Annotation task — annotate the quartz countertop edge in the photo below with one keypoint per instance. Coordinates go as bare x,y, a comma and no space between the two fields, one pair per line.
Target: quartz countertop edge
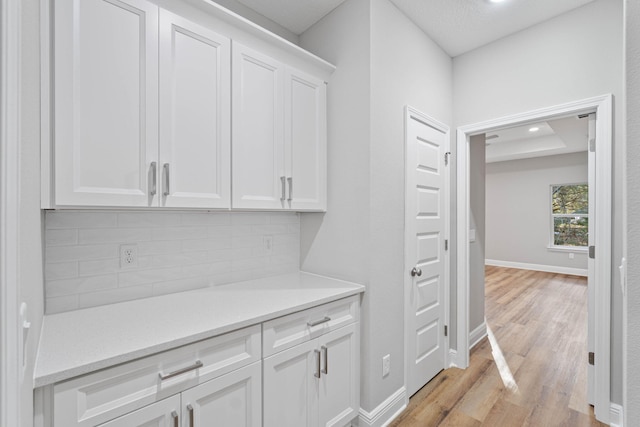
78,342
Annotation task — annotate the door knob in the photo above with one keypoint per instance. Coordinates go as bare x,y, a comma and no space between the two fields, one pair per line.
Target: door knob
416,272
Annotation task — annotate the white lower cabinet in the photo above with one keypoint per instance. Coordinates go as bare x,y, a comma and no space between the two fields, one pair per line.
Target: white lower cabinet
233,400
165,413
315,383
297,370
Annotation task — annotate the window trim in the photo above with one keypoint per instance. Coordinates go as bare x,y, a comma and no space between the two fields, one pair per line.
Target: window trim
563,248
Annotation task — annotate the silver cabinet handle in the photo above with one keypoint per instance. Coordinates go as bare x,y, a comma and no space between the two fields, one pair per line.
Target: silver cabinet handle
193,367
154,178
416,272
175,418
290,179
190,409
319,322
317,373
283,182
165,172
325,354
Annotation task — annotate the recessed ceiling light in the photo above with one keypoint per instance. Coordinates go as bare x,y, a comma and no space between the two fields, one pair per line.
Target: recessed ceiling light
496,1
534,129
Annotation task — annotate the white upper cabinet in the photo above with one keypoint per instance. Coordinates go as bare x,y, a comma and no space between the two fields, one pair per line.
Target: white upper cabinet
306,141
279,135
151,107
106,102
195,134
258,142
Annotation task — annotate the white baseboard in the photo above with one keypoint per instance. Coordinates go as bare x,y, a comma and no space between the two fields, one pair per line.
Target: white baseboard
453,358
477,334
538,267
616,415
386,412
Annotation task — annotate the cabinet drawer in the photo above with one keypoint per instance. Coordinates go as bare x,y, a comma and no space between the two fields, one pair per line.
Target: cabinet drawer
285,332
103,395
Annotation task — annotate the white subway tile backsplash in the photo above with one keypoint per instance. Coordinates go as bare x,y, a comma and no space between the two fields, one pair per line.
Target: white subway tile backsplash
61,270
113,235
80,285
65,219
177,251
61,237
80,252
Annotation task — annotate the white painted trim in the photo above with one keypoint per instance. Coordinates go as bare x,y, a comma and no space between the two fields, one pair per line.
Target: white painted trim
478,334
538,267
616,418
408,113
453,358
602,106
10,366
386,412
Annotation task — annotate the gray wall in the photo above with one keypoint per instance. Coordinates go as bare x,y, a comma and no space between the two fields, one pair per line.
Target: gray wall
30,232
574,56
632,374
477,166
518,208
384,62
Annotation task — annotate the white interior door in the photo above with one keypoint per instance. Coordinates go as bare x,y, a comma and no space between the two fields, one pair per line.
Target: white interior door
591,262
425,251
195,115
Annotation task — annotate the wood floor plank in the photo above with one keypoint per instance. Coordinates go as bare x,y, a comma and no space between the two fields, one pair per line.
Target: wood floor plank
539,321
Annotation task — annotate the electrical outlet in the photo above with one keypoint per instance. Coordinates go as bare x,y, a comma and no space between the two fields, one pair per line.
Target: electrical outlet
571,255
128,256
267,243
386,365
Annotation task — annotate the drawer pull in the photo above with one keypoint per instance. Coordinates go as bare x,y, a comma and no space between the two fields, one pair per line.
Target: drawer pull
196,365
319,322
190,409
317,373
325,354
174,417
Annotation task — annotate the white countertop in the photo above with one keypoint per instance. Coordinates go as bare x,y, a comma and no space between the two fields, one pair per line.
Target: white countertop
82,341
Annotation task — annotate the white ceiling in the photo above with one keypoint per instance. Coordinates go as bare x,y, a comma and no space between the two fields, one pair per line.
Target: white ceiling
458,26
559,136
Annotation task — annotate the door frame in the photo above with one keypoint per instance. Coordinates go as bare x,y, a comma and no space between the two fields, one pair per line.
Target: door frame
410,112
10,366
603,107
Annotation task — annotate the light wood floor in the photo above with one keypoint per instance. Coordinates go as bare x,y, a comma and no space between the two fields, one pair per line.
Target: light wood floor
539,321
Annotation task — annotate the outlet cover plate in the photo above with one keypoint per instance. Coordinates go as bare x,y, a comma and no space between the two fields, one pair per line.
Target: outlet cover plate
128,256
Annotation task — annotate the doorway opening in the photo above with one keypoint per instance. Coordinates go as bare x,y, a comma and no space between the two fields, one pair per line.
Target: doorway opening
599,271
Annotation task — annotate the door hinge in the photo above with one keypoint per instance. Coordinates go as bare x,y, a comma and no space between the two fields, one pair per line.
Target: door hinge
446,331
446,245
592,145
446,158
592,358
592,252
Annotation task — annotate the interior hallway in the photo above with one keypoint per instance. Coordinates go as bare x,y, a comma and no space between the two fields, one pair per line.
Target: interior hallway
539,321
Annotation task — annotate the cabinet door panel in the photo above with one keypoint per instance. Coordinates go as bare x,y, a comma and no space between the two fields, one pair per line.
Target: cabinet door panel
306,141
232,400
105,100
159,414
290,388
339,399
195,122
257,130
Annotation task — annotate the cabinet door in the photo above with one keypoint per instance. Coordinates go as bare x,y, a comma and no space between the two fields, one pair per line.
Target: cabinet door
233,400
106,102
290,387
339,399
160,414
195,115
305,141
258,145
